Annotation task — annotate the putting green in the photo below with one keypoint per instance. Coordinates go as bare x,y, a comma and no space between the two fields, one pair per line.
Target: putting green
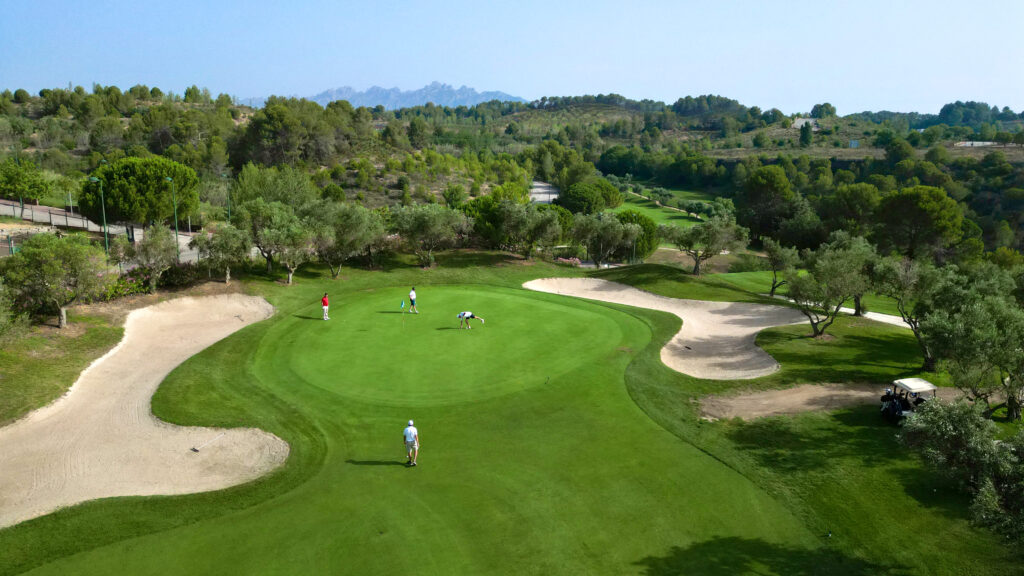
374,352
535,459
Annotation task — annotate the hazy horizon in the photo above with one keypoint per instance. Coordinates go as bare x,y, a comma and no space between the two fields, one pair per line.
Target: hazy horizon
872,55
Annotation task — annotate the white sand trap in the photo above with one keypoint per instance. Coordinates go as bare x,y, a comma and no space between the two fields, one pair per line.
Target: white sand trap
101,440
717,338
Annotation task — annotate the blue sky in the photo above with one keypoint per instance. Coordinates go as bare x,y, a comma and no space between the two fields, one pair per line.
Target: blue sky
862,55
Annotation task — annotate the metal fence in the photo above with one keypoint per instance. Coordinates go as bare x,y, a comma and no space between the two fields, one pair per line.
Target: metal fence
55,217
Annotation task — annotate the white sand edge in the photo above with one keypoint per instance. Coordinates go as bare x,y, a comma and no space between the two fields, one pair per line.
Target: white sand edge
101,440
717,339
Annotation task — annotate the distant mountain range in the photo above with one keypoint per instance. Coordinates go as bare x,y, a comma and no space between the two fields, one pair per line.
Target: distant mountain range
393,98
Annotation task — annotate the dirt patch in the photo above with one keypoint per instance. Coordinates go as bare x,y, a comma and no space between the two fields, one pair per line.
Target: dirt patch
716,339
101,440
803,398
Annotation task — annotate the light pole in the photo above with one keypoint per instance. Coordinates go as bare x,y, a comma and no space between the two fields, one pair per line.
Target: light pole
174,198
103,209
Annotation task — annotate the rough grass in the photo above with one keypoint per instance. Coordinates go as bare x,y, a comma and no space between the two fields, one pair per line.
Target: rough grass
41,364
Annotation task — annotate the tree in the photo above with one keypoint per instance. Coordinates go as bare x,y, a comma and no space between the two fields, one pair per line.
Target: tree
959,442
419,132
137,190
20,179
222,247
346,231
295,247
428,227
582,198
913,285
833,277
602,234
954,438
823,110
156,252
270,225
806,134
852,208
285,184
782,261
707,239
916,221
51,273
454,195
611,195
860,254
760,140
765,201
647,241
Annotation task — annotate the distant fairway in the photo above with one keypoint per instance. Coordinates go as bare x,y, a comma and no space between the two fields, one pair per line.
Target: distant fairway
660,214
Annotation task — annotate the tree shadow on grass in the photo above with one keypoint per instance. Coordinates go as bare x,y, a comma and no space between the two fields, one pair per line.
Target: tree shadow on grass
732,556
472,259
807,444
375,462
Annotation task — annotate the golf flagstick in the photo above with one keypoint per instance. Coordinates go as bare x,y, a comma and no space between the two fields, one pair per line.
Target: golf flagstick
207,443
402,307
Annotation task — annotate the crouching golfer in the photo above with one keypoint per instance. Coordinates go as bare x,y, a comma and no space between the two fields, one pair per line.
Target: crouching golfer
412,443
465,317
326,304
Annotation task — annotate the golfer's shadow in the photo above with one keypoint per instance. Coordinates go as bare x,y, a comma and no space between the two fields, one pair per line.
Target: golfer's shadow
447,328
375,462
301,317
390,312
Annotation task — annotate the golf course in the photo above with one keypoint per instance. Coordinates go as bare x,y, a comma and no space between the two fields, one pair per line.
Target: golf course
553,441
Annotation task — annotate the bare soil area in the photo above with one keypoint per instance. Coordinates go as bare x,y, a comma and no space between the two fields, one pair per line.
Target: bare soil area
803,398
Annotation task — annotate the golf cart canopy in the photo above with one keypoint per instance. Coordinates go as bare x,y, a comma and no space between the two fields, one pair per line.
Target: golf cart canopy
917,385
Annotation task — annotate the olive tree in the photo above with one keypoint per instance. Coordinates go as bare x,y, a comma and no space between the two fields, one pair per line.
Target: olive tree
833,277
427,228
345,231
706,240
50,273
781,260
223,247
156,252
270,226
601,234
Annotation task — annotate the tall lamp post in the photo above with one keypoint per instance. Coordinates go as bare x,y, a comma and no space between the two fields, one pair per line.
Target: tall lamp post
103,208
174,198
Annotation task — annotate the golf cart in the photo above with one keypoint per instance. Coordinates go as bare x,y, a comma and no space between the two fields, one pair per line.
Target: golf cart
905,396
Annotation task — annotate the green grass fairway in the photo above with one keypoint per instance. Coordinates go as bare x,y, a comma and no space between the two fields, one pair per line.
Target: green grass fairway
761,283
660,214
554,441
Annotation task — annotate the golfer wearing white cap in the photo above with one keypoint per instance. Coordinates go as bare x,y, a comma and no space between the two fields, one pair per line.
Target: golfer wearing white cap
412,443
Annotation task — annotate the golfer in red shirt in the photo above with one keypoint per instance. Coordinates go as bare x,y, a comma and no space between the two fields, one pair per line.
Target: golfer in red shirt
326,304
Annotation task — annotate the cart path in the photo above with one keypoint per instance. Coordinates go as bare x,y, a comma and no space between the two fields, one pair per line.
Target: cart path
717,338
101,440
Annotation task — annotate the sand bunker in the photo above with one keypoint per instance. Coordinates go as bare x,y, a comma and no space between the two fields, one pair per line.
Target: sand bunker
717,338
101,440
804,398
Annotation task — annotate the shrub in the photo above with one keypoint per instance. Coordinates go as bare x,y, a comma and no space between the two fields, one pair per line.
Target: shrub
179,276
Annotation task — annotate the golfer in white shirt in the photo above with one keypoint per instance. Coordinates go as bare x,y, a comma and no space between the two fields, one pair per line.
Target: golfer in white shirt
411,436
465,317
412,301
